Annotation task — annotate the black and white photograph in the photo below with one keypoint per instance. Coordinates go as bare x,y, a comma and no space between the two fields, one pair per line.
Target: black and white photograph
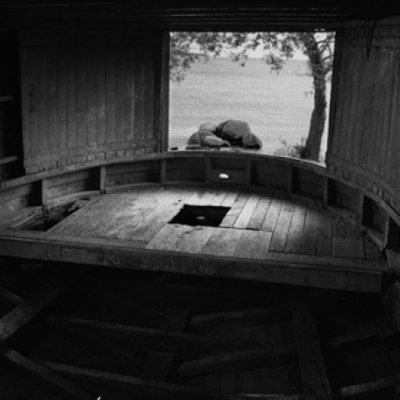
199,200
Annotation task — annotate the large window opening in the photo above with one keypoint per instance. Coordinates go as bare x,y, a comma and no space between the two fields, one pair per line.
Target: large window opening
275,87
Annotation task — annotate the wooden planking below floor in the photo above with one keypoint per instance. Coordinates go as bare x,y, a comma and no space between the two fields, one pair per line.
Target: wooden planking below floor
257,227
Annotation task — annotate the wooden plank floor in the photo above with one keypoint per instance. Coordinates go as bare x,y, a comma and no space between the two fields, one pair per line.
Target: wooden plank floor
262,237
256,224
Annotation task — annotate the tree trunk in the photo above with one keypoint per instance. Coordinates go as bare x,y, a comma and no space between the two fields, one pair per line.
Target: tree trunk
318,118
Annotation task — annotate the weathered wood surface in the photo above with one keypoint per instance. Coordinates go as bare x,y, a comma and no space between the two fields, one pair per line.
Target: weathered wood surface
105,81
154,389
312,366
285,227
364,140
27,310
45,375
158,364
250,359
290,236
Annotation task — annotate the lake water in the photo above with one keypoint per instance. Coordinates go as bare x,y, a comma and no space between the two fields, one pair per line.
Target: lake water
276,106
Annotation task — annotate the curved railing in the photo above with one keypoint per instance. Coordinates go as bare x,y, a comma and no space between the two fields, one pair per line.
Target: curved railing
300,179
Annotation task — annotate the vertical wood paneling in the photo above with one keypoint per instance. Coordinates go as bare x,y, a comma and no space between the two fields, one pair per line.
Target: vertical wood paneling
61,98
81,93
51,100
100,94
110,95
92,67
149,92
71,83
89,95
140,99
130,94
364,144
119,94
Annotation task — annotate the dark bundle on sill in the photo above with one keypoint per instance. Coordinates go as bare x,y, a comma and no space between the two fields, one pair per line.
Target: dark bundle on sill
228,133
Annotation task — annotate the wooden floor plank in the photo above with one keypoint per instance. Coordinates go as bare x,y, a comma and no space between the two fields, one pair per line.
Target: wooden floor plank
312,367
229,199
165,215
205,197
168,236
245,215
281,231
309,239
296,230
253,245
233,213
193,239
219,196
259,213
222,242
142,226
272,215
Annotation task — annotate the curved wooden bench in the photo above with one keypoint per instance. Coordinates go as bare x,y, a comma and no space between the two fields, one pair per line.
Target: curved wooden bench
301,181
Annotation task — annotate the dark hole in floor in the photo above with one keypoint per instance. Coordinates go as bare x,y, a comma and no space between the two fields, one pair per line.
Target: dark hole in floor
51,216
200,215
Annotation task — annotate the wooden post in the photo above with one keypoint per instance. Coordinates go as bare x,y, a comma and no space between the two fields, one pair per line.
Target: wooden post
361,202
208,170
43,191
249,170
103,174
163,172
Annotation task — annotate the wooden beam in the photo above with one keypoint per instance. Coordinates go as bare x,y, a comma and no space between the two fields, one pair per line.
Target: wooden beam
365,335
158,364
46,375
11,297
184,344
117,353
29,309
44,190
238,317
102,179
311,362
370,386
295,270
239,360
153,389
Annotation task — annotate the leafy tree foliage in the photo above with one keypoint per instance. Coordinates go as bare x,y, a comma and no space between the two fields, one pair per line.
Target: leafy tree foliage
188,47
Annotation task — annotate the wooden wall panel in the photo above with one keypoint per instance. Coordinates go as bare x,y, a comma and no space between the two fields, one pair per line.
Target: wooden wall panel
89,95
364,145
10,114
